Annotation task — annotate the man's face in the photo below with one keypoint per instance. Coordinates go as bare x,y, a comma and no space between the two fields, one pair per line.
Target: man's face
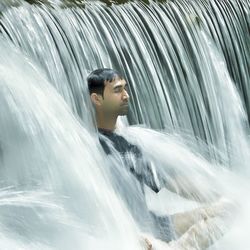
115,98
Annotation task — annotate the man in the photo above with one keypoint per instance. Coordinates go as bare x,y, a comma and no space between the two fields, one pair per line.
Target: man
109,94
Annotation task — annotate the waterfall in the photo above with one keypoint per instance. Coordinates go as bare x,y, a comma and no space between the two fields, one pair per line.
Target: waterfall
161,50
187,66
52,190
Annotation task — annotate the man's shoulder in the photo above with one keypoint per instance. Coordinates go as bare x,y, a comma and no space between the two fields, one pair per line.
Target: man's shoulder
119,142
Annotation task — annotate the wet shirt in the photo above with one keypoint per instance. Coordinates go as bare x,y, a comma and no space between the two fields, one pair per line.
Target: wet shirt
144,174
132,157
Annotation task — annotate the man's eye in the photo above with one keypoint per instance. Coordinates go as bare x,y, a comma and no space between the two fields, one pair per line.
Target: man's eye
118,90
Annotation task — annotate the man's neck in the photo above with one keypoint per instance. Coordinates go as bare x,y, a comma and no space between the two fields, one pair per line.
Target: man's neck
106,123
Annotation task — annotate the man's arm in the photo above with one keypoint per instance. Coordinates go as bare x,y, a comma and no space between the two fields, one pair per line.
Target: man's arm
177,183
188,189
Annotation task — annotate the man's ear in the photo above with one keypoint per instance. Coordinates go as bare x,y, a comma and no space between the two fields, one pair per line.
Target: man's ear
96,99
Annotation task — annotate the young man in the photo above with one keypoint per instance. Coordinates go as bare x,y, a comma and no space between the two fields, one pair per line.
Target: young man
109,95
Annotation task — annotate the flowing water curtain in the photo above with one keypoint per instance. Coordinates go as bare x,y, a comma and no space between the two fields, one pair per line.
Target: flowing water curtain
194,89
228,23
229,30
165,56
156,46
53,190
215,91
42,45
39,34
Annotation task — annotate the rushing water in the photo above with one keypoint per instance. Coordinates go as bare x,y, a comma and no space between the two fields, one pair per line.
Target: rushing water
52,191
187,65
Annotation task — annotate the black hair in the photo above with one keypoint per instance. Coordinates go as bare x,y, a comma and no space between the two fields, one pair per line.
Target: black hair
97,78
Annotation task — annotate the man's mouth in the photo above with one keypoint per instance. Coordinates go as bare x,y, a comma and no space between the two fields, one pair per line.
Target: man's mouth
125,105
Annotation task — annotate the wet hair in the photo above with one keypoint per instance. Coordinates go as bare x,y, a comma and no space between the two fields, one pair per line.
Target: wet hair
97,78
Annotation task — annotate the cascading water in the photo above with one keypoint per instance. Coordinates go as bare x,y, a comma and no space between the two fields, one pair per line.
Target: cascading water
176,57
52,192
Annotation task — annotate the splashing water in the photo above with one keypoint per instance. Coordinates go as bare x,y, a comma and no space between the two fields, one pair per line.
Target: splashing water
51,165
54,183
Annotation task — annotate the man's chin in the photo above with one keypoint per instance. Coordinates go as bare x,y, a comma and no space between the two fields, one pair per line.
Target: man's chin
123,112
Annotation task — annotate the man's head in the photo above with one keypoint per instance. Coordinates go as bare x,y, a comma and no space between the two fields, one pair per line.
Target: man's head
108,92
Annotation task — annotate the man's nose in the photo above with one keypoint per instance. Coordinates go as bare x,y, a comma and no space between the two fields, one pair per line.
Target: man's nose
125,95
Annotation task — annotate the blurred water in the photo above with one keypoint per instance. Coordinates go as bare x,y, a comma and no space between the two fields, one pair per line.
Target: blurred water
53,191
160,48
173,155
189,78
